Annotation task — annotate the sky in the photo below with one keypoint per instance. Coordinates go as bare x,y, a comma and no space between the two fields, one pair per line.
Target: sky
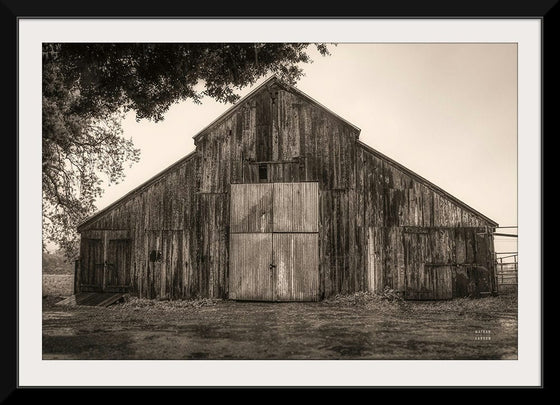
446,111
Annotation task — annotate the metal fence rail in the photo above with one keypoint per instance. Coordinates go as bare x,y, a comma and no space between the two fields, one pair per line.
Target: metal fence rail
506,270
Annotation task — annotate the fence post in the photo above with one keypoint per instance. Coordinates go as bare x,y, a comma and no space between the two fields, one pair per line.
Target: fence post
502,268
497,273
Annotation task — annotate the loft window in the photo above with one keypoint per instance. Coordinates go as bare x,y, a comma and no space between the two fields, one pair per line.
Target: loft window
263,172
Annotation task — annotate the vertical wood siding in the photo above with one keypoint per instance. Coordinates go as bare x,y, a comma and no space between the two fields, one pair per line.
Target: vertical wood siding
296,259
251,277
366,207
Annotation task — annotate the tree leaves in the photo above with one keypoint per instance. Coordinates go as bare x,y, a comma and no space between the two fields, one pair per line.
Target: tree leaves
87,87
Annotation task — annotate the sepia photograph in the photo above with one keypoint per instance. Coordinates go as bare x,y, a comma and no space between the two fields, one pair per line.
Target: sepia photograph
291,226
332,203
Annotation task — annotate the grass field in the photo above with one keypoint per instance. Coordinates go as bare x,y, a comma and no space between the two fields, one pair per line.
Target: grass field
58,285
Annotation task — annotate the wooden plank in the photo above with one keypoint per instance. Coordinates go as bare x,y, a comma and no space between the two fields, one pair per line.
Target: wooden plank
97,263
122,261
283,259
259,207
100,233
92,261
251,208
418,277
186,266
263,127
371,261
250,276
398,248
238,208
165,264
104,269
154,263
305,207
111,271
110,299
175,279
296,276
282,207
443,289
470,245
293,129
275,130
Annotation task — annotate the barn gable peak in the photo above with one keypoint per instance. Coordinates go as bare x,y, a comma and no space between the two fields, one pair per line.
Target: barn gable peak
272,85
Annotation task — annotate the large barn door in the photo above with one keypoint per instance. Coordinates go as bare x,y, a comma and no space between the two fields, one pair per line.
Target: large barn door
249,266
250,276
424,281
274,242
296,243
296,258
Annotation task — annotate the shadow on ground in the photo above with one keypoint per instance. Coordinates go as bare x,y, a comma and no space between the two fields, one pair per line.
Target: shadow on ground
337,329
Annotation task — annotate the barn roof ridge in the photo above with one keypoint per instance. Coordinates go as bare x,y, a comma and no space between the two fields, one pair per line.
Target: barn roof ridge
266,83
426,182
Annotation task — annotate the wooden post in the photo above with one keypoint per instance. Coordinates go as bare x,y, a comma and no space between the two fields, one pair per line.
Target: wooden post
497,274
105,244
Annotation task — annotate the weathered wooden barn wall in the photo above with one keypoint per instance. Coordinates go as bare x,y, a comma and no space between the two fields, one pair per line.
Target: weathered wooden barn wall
161,216
379,224
412,230
280,136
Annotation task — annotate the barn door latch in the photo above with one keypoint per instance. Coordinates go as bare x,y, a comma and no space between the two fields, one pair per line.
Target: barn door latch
271,266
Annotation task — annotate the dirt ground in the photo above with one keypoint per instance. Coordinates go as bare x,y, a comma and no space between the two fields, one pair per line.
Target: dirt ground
352,327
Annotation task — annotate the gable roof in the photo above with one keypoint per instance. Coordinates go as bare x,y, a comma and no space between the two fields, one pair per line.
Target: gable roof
233,108
269,82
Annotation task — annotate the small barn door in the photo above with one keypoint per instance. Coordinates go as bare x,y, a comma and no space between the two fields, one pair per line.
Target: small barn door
274,242
117,276
106,260
92,265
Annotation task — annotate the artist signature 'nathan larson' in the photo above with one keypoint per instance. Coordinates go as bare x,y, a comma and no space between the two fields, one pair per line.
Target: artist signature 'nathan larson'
482,334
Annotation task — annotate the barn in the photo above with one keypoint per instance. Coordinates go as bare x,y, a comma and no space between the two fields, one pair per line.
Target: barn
281,201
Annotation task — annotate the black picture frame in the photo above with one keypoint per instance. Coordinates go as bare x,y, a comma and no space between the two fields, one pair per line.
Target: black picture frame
12,10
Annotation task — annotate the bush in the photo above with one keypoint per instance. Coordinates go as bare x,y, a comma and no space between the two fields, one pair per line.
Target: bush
58,285
56,263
